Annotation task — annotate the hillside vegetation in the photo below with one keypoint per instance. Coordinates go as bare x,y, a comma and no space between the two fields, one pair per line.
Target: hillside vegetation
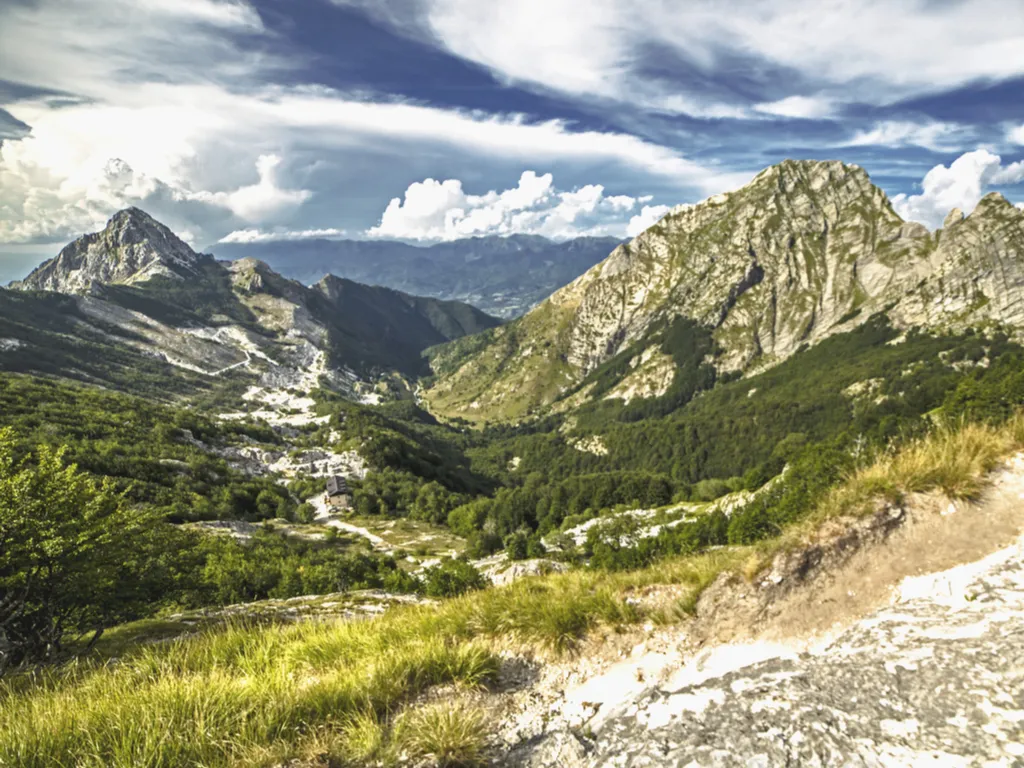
347,692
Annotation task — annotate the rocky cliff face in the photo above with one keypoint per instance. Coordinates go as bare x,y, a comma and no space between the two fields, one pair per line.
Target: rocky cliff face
975,274
806,250
132,248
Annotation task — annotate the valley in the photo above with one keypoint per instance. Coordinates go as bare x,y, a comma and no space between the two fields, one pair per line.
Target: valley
549,522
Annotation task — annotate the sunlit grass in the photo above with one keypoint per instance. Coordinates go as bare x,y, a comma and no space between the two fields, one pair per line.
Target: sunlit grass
347,692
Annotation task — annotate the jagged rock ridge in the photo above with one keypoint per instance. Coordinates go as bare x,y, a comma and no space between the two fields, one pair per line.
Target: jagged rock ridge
132,248
806,250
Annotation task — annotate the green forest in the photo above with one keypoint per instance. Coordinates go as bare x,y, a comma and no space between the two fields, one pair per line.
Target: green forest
98,488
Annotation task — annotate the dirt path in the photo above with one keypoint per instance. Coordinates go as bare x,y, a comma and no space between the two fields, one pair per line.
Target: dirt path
325,517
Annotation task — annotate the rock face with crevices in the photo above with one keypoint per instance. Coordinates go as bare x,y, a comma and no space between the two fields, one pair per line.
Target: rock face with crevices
936,679
805,250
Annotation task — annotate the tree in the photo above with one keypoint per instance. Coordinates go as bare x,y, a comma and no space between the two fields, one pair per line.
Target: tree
450,578
517,545
74,556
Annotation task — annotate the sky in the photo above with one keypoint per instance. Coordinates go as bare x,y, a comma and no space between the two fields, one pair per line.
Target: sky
425,120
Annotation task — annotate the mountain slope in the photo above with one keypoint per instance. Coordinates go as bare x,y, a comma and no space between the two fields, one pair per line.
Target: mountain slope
806,250
503,276
141,290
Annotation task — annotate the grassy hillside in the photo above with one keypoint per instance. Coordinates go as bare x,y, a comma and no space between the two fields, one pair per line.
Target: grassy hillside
343,693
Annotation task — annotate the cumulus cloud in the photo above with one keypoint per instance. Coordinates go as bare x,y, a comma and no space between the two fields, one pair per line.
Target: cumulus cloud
960,185
936,136
648,215
257,202
37,205
443,210
1016,135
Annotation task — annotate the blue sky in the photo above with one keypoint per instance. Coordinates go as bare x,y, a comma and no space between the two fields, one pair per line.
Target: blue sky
436,119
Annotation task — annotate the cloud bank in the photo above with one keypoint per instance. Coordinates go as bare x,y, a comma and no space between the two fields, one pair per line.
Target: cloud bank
442,210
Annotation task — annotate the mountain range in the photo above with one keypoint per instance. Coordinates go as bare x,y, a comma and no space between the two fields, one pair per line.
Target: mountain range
805,251
135,298
743,280
503,276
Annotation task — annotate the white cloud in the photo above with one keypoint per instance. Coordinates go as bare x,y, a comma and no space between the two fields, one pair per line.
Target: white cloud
442,210
648,216
257,202
275,235
1016,135
960,185
799,107
872,51
191,120
936,136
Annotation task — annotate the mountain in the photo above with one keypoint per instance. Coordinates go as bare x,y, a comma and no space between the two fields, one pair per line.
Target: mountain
133,248
504,276
134,296
806,250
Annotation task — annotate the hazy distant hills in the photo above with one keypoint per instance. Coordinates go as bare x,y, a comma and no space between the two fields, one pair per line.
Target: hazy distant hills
504,276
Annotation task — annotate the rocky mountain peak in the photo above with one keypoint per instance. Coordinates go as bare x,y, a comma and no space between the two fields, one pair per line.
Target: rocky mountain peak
955,216
994,204
132,248
806,250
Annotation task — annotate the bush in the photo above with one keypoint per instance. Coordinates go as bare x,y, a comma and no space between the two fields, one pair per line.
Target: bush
535,547
517,546
710,489
305,513
482,544
451,578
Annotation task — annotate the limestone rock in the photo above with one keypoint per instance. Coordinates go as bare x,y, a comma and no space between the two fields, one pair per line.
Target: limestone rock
805,250
132,248
953,217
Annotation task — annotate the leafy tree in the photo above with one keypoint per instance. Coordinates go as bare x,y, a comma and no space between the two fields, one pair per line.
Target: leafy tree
450,578
517,546
75,558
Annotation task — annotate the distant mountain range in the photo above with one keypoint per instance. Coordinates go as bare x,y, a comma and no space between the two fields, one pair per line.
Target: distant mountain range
135,301
504,276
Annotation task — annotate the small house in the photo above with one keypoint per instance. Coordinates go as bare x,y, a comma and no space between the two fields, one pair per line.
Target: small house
338,492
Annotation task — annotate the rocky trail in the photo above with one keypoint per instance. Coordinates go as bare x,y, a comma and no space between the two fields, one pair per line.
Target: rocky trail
899,642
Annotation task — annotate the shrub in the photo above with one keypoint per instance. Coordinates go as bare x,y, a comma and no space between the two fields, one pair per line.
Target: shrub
517,546
305,513
451,578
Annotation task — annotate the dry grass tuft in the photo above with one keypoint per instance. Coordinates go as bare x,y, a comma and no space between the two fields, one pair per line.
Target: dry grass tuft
449,734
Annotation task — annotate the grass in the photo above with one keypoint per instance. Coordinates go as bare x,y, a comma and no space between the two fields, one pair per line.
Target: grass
450,735
348,692
953,459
